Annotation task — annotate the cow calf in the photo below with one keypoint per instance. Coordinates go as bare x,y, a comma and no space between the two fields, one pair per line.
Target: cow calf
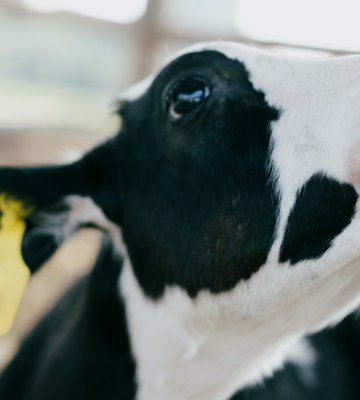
234,182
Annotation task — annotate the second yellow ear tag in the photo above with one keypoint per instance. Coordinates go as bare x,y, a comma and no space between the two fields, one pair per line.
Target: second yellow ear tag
14,274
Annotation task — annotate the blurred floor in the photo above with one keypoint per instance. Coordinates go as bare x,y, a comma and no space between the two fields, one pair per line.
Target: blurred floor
76,257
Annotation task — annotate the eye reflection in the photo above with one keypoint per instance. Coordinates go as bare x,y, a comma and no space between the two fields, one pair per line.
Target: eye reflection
187,96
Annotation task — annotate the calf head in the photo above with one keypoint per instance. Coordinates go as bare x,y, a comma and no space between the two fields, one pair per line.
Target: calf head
233,179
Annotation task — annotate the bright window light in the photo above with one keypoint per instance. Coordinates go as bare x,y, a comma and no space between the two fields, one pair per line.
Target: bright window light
121,11
331,24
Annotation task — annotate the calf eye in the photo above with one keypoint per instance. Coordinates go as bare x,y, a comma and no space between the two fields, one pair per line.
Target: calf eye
186,96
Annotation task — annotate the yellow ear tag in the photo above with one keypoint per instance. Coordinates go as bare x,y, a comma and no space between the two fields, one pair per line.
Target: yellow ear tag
14,274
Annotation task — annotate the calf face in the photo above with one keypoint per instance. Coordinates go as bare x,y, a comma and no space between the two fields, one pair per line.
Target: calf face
234,180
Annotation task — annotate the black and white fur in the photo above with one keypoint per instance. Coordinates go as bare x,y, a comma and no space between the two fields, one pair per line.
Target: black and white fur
239,232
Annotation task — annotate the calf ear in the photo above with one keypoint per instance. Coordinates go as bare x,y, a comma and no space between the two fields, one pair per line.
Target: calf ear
54,193
93,176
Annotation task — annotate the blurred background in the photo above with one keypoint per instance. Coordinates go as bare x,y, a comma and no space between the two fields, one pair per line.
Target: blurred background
62,62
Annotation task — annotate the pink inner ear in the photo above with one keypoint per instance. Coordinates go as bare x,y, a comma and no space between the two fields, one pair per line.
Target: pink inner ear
354,164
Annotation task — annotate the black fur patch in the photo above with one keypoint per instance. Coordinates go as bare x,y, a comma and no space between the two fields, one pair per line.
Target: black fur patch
323,209
201,210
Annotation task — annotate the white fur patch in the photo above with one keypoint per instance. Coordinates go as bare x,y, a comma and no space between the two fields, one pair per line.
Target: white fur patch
208,348
303,356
